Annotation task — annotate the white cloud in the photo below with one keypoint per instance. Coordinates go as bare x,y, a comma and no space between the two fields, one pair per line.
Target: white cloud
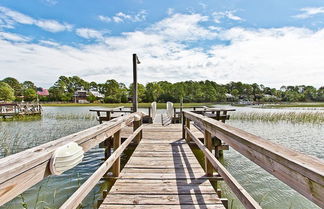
183,27
13,37
89,33
104,18
53,25
309,12
10,17
274,56
123,17
170,11
50,2
218,16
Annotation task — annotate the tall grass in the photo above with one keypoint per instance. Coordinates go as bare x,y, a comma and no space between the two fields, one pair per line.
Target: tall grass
70,116
294,117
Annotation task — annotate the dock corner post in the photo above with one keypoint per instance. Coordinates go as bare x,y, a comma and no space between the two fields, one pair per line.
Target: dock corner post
116,144
208,143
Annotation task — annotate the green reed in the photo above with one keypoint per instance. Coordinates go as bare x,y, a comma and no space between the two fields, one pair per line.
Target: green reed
295,117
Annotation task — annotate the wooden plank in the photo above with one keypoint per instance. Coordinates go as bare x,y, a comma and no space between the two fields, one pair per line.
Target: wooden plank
303,173
236,188
76,198
161,189
179,199
167,182
147,206
161,154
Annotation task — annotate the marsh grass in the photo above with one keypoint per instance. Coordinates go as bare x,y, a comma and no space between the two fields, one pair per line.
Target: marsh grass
294,117
70,116
22,118
305,104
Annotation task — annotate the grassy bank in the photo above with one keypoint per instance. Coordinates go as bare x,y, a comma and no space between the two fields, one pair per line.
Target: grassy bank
112,105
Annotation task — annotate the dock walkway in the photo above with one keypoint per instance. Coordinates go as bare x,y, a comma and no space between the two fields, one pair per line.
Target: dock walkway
162,173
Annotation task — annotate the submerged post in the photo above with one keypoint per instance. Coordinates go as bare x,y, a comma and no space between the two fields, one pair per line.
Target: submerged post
135,86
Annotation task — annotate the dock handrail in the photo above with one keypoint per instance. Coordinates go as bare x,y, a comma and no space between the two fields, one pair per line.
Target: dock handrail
113,161
20,171
303,173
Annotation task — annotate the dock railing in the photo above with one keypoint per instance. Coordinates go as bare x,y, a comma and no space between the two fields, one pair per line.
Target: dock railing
303,173
20,171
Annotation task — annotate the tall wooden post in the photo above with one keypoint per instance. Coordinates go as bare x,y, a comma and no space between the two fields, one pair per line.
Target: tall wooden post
135,103
116,144
183,126
208,144
188,126
136,125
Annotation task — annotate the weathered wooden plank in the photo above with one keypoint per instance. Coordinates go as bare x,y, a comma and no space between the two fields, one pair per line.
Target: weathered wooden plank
179,175
147,206
168,182
161,189
179,199
303,173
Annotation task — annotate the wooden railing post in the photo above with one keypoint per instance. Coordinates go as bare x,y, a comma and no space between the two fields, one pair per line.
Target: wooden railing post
218,151
183,126
116,144
136,125
208,144
188,126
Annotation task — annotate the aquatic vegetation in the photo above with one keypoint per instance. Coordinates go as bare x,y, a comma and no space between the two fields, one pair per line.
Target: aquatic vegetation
70,116
294,117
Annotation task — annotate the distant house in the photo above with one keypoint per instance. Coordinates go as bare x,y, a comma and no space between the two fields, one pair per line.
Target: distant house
80,96
229,97
42,92
97,94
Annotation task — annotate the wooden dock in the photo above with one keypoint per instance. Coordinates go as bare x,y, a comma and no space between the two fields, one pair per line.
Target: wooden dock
23,109
162,173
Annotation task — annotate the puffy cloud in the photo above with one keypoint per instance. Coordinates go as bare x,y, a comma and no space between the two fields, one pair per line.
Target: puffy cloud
309,12
9,17
89,33
13,37
218,16
123,17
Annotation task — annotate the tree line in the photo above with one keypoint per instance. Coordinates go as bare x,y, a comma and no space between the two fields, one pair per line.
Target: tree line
190,91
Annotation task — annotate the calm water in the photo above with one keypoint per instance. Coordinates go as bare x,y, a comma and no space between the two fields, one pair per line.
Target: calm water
60,121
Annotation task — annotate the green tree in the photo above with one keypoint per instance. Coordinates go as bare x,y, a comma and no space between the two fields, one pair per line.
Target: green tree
28,85
6,92
140,92
91,98
29,94
14,84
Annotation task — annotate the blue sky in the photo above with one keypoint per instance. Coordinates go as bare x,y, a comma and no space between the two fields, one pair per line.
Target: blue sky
271,42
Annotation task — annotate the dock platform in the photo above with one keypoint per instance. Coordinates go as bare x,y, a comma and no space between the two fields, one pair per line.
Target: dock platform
162,173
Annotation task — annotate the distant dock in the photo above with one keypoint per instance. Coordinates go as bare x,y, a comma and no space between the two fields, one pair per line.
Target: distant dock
15,109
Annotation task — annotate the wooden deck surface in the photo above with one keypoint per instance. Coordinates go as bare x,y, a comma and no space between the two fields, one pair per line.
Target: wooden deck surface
162,173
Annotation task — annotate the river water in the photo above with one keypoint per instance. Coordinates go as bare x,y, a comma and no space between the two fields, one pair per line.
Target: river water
57,122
